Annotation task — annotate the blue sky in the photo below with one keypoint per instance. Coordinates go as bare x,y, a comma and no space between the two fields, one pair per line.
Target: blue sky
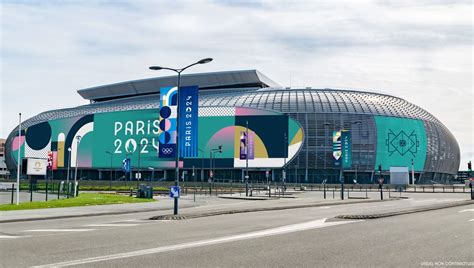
418,50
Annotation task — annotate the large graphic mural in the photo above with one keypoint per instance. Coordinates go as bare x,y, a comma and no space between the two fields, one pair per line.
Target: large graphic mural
111,137
399,140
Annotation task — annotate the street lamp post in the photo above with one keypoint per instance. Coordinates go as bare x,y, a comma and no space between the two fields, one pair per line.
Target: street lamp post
284,163
202,165
178,71
111,161
68,172
247,159
78,138
18,162
341,170
211,167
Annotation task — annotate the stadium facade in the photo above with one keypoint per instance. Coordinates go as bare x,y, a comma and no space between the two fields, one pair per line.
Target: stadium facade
293,127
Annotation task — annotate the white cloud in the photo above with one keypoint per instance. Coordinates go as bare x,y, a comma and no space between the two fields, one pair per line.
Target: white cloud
421,51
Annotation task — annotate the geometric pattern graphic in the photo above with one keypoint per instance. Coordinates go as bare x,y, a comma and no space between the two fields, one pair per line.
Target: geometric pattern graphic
42,153
336,146
135,135
402,143
216,111
399,142
168,123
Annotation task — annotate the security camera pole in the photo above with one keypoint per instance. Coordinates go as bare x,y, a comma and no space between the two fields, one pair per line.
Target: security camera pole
178,71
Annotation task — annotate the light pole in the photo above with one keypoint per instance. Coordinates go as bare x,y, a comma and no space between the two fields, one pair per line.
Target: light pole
68,168
202,164
18,162
178,71
78,138
247,159
284,163
341,170
211,167
111,161
152,174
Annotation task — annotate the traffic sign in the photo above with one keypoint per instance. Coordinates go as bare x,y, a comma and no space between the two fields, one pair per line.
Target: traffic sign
174,192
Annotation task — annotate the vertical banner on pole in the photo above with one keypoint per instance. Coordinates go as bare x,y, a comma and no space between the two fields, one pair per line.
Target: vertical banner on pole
346,149
250,149
336,148
168,114
188,121
243,147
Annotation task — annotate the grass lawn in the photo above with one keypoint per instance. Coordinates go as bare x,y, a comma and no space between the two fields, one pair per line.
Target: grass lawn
84,199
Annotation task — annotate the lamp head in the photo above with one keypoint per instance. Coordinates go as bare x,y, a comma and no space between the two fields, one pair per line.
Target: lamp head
155,68
204,61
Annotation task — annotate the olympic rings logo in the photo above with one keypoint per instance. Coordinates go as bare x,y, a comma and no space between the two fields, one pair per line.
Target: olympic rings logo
167,150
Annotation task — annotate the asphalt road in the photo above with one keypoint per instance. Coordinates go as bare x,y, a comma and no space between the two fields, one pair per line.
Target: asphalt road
299,237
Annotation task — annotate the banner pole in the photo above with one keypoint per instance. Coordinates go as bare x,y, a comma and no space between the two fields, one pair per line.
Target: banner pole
18,163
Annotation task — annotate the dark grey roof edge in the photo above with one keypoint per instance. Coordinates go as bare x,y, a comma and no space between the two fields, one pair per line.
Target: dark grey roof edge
215,79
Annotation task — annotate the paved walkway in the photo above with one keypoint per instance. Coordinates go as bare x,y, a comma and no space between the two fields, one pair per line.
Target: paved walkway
206,204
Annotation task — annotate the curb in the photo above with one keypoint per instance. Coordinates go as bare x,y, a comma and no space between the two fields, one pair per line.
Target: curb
247,198
403,212
238,211
78,216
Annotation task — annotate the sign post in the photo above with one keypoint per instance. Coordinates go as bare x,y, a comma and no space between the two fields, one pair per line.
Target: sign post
381,180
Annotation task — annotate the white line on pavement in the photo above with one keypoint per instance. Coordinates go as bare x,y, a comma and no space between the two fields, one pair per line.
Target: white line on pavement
257,234
10,236
466,210
59,230
471,220
112,225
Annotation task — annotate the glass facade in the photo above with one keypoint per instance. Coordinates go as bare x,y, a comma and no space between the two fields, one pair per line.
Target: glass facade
320,112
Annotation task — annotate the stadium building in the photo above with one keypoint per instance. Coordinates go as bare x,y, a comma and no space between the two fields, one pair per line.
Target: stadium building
292,128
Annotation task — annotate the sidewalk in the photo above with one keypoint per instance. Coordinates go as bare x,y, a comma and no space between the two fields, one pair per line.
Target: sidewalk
162,204
208,206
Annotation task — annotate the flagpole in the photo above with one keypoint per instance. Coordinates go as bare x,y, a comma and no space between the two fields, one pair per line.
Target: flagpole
18,163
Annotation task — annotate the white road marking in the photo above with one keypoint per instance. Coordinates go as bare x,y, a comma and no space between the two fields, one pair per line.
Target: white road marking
10,236
466,210
112,225
257,234
471,220
325,207
59,230
135,220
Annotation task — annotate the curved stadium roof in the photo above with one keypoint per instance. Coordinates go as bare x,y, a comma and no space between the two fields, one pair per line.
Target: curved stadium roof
240,88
